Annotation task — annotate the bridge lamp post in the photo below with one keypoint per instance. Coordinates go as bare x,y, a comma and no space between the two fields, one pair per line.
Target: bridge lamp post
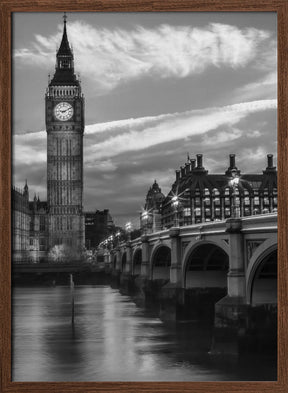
117,235
110,240
128,228
175,204
234,182
145,216
106,244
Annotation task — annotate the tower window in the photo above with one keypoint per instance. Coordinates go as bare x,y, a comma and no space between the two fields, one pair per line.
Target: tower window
64,63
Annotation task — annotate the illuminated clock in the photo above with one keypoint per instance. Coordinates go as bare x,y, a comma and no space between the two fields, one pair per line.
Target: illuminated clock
63,111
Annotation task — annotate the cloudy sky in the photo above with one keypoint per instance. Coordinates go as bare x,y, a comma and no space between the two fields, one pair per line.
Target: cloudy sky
157,86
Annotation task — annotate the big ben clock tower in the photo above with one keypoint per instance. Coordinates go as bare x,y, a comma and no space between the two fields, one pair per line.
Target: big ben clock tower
65,128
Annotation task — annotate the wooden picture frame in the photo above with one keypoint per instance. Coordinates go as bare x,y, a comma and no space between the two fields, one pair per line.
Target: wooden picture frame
7,8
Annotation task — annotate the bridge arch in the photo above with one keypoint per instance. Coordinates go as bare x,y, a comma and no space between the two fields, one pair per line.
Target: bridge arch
161,262
137,261
262,274
123,261
205,265
114,261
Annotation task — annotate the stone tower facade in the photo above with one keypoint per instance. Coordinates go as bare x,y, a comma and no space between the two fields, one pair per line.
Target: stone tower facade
65,129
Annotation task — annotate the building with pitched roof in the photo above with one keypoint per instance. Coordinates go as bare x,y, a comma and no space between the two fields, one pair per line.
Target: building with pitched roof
198,196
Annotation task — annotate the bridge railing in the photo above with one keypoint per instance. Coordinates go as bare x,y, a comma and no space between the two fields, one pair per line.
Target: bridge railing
265,220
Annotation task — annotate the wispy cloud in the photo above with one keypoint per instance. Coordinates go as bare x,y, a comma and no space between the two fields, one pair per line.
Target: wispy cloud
176,127
262,88
30,148
111,57
222,137
253,155
139,134
254,134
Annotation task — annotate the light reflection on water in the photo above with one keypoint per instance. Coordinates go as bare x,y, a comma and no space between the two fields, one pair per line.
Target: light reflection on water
112,340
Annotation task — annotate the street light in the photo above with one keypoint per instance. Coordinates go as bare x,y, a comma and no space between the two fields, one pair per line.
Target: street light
128,228
105,242
234,182
110,240
145,216
175,204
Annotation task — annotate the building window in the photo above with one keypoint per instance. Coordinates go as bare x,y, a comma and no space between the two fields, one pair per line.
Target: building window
31,242
42,223
247,201
42,244
187,212
227,212
256,201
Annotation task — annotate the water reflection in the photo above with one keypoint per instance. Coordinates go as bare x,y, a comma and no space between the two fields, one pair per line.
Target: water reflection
112,340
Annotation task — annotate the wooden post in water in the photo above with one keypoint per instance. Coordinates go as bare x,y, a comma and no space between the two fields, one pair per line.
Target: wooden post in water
72,298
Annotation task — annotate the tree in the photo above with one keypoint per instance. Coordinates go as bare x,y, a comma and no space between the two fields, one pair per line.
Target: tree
63,253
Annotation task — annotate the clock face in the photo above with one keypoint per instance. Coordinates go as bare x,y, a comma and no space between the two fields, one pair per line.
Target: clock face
63,111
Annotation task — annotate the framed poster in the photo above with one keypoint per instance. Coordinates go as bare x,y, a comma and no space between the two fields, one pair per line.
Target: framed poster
101,103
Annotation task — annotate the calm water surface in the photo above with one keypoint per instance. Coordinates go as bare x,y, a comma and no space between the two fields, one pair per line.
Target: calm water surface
113,340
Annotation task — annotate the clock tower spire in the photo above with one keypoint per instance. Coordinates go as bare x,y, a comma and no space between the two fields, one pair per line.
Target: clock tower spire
65,128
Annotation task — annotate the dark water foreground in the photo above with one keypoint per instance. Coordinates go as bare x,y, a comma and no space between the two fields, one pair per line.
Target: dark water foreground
114,340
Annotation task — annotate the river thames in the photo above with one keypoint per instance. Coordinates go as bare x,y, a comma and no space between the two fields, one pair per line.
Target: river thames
114,340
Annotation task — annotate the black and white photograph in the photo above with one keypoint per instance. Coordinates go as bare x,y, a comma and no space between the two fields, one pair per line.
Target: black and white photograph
144,196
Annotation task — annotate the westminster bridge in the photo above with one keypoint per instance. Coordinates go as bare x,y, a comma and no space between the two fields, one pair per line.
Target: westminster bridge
224,269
